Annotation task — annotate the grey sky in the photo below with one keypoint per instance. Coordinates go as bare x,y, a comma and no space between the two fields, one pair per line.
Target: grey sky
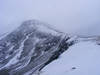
70,16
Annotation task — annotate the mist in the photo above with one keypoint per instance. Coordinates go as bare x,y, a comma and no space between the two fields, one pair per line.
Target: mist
78,17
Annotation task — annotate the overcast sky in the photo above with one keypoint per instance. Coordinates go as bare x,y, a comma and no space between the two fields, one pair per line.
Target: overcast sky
80,17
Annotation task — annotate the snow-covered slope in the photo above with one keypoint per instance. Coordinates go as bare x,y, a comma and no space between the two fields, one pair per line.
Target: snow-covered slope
30,47
36,48
80,59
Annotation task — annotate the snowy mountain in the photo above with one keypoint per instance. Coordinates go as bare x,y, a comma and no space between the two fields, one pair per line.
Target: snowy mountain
30,47
34,48
80,59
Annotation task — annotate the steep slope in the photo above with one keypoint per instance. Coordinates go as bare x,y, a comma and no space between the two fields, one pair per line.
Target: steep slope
80,59
34,48
30,47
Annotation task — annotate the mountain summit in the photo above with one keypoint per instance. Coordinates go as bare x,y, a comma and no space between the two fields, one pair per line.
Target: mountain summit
30,47
34,46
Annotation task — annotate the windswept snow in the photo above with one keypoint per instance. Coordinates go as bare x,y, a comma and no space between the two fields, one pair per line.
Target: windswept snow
80,59
43,28
3,35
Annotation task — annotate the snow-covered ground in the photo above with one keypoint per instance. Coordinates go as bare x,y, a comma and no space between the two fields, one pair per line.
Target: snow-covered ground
80,59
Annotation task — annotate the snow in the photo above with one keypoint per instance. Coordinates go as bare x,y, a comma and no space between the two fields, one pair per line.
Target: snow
80,59
44,29
75,38
47,29
3,35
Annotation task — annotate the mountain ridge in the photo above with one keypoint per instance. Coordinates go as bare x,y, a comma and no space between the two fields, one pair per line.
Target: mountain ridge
32,46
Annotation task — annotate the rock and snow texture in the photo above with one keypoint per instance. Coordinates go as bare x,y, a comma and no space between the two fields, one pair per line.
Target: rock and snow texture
30,47
80,59
33,47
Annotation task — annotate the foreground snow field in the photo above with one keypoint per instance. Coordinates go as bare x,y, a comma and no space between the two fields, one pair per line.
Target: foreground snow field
80,59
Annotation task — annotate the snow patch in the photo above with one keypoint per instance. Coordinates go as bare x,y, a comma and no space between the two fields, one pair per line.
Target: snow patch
80,59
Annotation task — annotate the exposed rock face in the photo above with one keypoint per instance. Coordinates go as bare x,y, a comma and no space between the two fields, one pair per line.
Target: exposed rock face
30,47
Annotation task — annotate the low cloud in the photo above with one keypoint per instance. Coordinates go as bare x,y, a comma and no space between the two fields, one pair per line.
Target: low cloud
81,17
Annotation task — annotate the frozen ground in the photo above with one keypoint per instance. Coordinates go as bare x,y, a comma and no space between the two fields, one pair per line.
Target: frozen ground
80,59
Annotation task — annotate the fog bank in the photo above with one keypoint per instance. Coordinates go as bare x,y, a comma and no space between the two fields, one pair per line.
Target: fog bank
81,17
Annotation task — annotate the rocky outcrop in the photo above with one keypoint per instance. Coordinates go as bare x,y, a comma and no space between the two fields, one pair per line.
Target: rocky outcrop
30,47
